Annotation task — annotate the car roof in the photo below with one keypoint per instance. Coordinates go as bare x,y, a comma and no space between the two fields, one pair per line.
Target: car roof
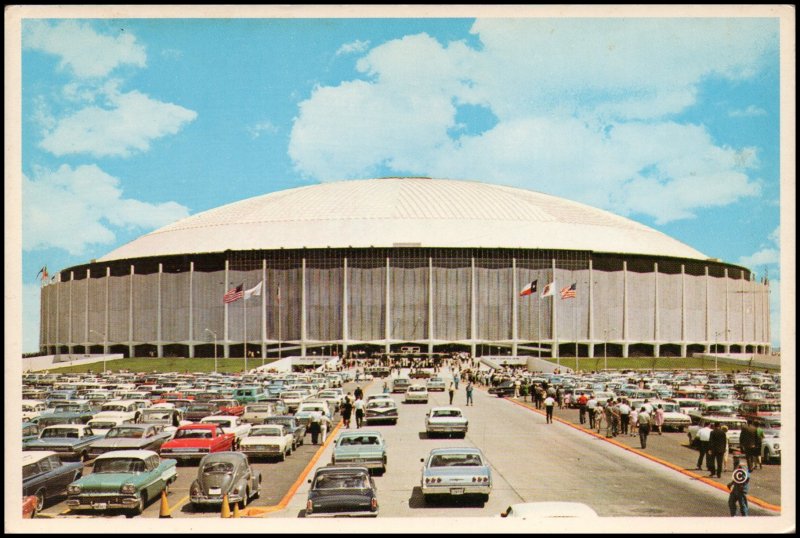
342,470
359,433
32,456
446,407
140,454
456,450
228,456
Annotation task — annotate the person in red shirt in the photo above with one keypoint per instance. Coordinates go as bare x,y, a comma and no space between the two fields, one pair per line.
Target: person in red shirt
582,400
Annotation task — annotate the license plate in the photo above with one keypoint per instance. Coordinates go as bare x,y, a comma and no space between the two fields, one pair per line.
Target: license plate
456,491
215,491
100,506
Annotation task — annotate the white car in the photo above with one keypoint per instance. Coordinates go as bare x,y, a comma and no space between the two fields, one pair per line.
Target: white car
267,441
380,396
446,420
734,424
333,397
549,509
125,410
101,425
416,394
293,399
230,424
32,409
771,446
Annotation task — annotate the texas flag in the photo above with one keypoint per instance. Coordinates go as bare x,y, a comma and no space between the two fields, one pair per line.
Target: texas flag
529,289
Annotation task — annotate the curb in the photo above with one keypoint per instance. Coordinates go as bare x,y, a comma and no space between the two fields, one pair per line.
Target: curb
721,487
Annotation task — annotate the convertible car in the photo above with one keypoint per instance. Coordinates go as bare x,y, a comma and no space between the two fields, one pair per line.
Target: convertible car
456,472
126,479
342,492
225,473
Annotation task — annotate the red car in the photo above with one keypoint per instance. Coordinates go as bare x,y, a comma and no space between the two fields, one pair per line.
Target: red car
193,441
229,407
28,507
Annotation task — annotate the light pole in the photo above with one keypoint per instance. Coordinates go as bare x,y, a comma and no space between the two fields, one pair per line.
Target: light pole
215,348
104,347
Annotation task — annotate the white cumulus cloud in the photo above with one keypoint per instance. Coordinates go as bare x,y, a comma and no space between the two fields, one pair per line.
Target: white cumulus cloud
353,47
82,50
127,124
583,108
71,208
748,112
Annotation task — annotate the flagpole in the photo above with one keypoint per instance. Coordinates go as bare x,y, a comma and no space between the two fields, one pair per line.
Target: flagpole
244,306
575,327
280,338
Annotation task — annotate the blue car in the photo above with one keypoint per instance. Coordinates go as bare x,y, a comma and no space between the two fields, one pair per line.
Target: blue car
46,476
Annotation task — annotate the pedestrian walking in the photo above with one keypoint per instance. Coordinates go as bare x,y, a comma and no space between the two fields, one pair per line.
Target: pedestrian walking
582,401
359,408
747,441
451,391
757,449
633,422
609,417
599,415
314,429
469,392
717,444
549,403
358,393
624,416
560,397
591,405
739,486
703,438
347,410
517,386
644,426
658,418
455,380
524,391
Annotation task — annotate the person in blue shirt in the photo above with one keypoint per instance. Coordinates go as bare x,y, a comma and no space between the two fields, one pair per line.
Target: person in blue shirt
739,486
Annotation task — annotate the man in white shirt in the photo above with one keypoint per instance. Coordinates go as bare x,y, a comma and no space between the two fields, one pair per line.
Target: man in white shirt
358,406
703,438
624,416
549,403
591,404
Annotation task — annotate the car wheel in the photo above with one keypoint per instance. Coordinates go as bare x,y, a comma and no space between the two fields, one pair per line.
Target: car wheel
243,502
40,500
427,497
139,508
283,456
484,498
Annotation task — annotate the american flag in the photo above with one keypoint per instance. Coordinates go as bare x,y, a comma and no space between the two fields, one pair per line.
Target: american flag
568,292
234,294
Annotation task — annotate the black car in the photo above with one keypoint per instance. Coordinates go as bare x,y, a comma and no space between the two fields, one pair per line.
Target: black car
342,492
504,388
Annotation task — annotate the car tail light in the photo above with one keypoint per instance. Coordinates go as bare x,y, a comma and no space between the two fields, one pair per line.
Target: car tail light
309,507
373,504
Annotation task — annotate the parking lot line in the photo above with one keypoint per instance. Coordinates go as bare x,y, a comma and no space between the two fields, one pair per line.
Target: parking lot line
178,504
721,487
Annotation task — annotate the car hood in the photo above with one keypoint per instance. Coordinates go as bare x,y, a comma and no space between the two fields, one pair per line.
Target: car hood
105,481
187,443
121,442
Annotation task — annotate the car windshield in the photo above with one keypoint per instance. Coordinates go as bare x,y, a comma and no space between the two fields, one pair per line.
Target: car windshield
66,408
379,403
102,425
202,408
258,408
155,417
125,432
115,408
341,481
193,434
456,460
218,467
221,422
118,465
265,432
446,413
360,440
60,432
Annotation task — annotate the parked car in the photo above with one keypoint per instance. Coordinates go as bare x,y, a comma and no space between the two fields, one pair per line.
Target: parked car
297,430
229,406
400,384
381,410
342,492
131,437
364,448
194,441
549,509
435,384
307,410
225,473
30,431
70,441
127,410
32,409
674,418
456,472
734,424
333,397
268,441
246,395
126,479
170,419
230,424
416,394
714,408
771,446
446,420
200,410
46,477
503,389
101,426
256,413
293,399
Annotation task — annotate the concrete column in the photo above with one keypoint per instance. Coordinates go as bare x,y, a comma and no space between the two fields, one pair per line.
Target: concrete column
191,310
514,307
590,312
708,308
131,349
473,313
430,304
303,329
743,293
159,340
657,345
554,313
58,318
105,321
86,320
69,326
625,308
345,310
264,295
684,347
727,307
225,344
388,306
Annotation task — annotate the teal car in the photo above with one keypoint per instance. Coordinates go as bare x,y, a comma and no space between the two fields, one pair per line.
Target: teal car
248,395
122,479
362,448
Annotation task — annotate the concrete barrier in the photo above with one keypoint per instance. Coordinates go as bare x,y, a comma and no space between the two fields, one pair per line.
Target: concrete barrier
48,362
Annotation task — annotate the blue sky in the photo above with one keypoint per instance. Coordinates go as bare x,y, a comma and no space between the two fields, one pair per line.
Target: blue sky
130,124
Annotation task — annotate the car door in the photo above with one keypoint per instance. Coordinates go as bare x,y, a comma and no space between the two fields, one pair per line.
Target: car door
32,478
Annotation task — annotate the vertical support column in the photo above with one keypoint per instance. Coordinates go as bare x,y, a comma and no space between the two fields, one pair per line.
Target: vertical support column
514,306
388,308
58,318
430,304
708,313
225,345
590,311
303,336
191,310
345,310
625,326
105,321
473,323
656,341
86,320
159,342
69,325
264,294
684,348
554,314
755,318
727,308
743,293
130,313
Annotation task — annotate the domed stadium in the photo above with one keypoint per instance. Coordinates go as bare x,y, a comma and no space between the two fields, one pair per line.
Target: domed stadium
383,264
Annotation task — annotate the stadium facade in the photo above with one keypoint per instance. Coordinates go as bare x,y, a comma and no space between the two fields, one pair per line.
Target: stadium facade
384,263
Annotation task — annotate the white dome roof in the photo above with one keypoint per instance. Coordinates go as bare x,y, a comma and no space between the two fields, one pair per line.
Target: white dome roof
410,212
